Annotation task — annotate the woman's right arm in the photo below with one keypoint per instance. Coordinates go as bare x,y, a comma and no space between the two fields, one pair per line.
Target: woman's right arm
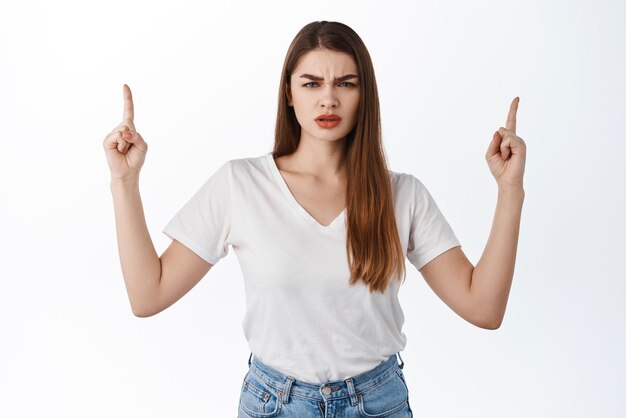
153,283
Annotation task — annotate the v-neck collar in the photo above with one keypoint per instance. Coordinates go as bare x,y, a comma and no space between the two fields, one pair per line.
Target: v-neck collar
282,184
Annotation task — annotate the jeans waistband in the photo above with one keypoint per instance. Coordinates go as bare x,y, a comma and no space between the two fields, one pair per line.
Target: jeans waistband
285,385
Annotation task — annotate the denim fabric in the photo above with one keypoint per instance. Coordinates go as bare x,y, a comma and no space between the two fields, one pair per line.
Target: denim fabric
380,392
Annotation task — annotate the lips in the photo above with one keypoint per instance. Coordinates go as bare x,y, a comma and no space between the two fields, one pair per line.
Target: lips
328,117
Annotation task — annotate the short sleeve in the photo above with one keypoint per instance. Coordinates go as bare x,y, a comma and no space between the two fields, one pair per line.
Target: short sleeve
203,223
431,234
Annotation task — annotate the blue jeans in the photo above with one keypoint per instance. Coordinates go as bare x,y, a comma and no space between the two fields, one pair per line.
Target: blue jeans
379,392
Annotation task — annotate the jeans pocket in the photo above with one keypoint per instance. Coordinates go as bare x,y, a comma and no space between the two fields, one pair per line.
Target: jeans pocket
257,400
399,371
401,374
389,398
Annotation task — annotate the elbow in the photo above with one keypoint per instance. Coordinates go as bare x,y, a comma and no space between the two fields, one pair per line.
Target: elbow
491,327
491,324
486,316
144,307
142,311
486,320
140,314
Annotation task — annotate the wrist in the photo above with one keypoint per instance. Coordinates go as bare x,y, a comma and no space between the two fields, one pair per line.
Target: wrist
511,189
130,181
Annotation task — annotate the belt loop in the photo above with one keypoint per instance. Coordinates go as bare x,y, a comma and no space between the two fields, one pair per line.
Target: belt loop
353,396
250,360
287,389
401,361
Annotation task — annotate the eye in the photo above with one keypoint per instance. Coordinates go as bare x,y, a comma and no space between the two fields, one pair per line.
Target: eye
347,83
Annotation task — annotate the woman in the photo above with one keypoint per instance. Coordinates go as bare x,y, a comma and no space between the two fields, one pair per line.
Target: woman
321,229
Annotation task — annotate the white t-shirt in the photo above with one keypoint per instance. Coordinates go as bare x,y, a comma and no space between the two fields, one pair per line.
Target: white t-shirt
302,316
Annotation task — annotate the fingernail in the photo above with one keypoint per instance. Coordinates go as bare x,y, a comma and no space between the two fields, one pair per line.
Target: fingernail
127,135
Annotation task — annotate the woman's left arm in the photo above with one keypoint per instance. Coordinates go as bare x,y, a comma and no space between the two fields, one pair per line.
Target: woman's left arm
480,294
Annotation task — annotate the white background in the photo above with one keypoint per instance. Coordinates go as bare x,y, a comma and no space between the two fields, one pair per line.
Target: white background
205,80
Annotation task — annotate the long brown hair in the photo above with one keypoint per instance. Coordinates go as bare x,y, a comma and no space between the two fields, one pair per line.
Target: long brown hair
372,242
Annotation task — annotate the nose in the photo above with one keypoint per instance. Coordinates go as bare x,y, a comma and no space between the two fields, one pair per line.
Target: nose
329,98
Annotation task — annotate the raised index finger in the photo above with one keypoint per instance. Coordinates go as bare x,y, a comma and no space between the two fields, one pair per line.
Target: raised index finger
511,120
129,111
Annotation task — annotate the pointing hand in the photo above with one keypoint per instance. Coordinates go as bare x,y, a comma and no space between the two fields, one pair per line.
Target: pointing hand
124,147
506,155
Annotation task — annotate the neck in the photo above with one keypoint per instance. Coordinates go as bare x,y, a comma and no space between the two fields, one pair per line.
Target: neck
320,159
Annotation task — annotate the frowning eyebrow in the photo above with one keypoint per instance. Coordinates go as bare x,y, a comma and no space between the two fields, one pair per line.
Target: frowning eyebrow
339,79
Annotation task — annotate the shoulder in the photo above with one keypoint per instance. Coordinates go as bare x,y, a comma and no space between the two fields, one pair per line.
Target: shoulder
243,166
404,182
242,163
411,193
245,173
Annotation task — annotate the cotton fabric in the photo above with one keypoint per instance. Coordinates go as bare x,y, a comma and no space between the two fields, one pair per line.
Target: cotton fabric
302,317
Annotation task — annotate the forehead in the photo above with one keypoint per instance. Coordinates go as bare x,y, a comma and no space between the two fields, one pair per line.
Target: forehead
324,61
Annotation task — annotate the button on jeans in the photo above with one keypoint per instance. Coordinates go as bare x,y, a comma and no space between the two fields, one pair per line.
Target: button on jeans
379,392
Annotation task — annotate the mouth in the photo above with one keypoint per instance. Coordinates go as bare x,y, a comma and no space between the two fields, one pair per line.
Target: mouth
328,118
328,123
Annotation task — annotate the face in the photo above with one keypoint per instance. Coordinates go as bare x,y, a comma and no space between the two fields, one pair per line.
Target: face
325,82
